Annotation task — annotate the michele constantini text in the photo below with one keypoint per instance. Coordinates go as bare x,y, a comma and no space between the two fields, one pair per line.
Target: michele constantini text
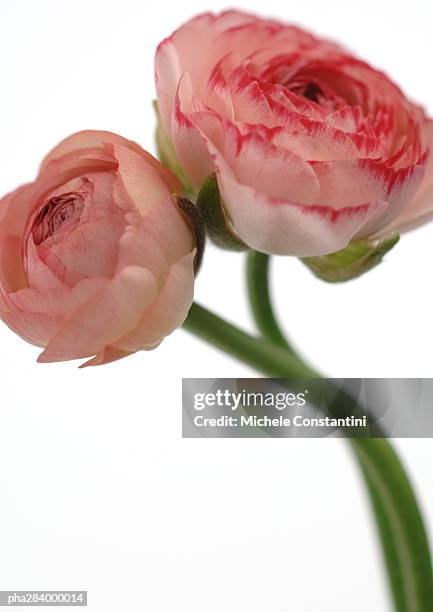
279,421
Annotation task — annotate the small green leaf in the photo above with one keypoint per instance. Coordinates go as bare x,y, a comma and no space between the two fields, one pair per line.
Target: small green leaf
217,223
353,261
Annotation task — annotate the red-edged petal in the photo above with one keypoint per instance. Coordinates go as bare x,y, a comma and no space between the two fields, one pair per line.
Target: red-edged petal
350,182
256,161
189,145
281,227
420,208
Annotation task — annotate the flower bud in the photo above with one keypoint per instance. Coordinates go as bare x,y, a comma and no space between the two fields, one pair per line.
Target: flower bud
97,255
353,261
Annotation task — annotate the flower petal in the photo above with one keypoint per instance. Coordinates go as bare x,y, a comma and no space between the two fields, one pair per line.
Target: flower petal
145,180
86,139
169,310
108,315
420,209
281,227
189,145
161,239
35,327
108,355
57,302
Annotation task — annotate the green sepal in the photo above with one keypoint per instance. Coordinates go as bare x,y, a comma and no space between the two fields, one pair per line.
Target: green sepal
353,261
167,156
194,218
217,223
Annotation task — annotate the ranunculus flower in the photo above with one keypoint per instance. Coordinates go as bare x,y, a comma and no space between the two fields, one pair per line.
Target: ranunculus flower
312,148
96,258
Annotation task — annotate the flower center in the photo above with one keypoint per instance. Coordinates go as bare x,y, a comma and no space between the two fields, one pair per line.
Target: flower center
309,90
59,212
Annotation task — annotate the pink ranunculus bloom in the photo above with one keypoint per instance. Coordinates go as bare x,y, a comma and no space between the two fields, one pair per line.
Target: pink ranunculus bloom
312,148
96,259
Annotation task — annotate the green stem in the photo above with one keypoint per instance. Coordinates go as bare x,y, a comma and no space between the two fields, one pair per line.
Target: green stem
400,525
260,354
390,484
260,300
389,548
408,559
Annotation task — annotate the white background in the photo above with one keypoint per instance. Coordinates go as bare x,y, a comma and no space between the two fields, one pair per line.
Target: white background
97,489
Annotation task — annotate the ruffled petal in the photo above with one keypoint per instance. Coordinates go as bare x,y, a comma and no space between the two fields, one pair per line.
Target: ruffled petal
147,183
169,310
281,227
107,316
161,239
189,145
420,209
86,139
255,161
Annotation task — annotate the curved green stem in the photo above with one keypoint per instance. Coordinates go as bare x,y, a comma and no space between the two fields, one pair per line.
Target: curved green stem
260,300
399,518
400,524
262,355
403,536
389,547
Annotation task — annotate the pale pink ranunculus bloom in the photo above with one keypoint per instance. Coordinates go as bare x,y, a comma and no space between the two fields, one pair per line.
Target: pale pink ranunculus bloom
96,259
312,148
